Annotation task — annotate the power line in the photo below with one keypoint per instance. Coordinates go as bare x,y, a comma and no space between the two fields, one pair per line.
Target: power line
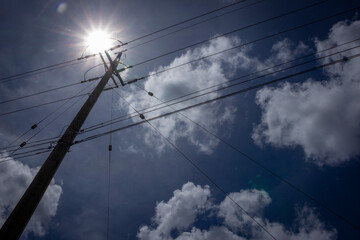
35,143
155,73
31,145
250,74
152,109
349,58
249,26
185,21
199,169
25,156
212,181
41,70
65,110
240,45
43,104
39,122
38,69
72,62
232,94
26,152
195,24
224,34
38,132
217,84
21,214
259,164
146,110
41,92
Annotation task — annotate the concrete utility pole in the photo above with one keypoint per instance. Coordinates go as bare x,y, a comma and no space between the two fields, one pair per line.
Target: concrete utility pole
20,216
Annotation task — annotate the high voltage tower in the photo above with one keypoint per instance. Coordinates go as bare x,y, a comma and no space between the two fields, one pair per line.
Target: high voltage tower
19,217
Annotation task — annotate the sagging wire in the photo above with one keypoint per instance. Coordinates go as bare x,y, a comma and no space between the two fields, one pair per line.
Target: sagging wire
198,168
256,162
34,126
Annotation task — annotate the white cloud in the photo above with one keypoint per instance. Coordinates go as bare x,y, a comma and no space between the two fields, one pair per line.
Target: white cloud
320,117
14,179
341,32
253,201
190,78
214,233
285,50
181,210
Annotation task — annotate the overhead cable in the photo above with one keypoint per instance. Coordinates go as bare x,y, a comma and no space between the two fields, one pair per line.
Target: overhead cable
86,58
223,85
207,176
258,163
348,58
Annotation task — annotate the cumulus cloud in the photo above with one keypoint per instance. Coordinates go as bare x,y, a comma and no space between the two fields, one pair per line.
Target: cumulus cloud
181,211
252,201
319,116
14,179
189,78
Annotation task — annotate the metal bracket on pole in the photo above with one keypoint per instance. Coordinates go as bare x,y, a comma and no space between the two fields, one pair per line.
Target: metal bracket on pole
106,67
115,70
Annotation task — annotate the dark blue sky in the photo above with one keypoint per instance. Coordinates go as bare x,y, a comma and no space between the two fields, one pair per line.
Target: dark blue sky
145,169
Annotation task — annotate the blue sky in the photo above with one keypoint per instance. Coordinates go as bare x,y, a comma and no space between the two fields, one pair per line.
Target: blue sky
304,129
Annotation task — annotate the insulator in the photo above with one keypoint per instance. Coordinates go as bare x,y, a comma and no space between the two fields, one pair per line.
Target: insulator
22,144
150,94
142,116
34,126
110,147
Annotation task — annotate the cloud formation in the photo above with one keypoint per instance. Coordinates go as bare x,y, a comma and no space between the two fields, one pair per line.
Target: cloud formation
15,177
319,116
179,212
189,78
285,50
176,219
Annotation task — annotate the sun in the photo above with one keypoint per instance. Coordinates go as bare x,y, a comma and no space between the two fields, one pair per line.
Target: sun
98,41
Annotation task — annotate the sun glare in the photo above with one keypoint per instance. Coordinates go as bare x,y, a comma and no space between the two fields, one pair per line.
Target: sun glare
98,41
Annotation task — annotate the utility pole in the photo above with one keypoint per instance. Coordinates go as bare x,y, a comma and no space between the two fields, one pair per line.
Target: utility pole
20,216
